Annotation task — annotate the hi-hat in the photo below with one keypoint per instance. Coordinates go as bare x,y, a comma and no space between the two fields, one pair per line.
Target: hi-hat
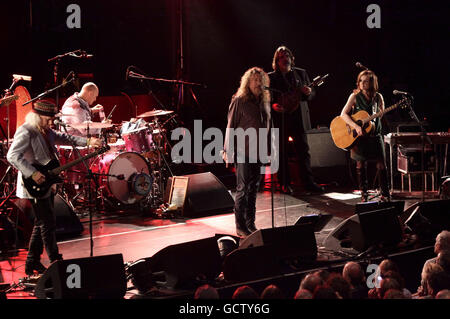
92,125
154,113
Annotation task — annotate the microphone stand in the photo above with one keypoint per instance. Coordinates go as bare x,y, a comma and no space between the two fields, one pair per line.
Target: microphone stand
423,137
49,91
89,177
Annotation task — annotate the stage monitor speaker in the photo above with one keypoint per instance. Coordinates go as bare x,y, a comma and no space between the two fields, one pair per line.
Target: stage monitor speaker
267,252
67,222
206,195
430,218
318,221
101,277
359,232
371,206
182,264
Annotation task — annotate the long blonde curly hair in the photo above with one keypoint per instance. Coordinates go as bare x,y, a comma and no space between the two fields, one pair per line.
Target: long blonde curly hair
244,88
33,119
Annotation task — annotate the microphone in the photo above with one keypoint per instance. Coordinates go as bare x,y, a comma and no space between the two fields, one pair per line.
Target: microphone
120,177
19,77
61,123
396,92
359,65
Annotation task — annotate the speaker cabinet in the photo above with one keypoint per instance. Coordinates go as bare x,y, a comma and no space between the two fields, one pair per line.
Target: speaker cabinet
205,196
267,252
181,264
429,218
358,232
101,277
323,151
371,206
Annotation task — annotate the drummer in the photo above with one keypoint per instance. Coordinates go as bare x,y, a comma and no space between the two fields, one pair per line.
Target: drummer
77,109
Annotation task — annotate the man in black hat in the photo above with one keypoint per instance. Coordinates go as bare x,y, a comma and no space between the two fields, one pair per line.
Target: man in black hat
34,142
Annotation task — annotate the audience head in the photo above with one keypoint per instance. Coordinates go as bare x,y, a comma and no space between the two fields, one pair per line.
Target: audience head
387,284
245,292
324,292
206,292
354,274
339,285
442,242
428,268
437,280
323,274
310,282
443,294
387,265
394,294
303,294
272,292
443,260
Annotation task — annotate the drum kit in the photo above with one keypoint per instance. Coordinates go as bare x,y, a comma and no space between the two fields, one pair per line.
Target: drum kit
133,172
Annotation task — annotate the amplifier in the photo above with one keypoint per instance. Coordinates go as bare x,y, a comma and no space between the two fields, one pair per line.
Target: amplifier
409,159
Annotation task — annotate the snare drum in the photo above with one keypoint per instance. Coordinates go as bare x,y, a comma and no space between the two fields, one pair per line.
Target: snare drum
127,176
139,141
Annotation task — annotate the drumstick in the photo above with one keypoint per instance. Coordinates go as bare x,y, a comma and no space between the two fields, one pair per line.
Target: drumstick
109,116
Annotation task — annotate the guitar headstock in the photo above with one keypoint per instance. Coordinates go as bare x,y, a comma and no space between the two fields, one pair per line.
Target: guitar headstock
405,102
319,80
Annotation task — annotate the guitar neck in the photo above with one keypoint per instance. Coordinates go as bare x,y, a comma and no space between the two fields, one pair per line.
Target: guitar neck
381,113
58,170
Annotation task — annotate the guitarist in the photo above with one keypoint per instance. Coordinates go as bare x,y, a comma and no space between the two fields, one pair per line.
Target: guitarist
283,79
368,147
34,142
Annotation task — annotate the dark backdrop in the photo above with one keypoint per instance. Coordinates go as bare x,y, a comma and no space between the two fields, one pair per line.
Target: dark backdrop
224,38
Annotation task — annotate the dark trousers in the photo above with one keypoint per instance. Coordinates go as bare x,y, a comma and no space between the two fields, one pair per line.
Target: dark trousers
301,149
44,231
247,181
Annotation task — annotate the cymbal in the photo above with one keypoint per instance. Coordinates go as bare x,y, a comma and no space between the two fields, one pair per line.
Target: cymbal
155,113
92,125
8,99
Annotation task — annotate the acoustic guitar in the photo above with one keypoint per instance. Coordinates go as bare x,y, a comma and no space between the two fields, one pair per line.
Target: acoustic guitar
289,101
51,172
345,137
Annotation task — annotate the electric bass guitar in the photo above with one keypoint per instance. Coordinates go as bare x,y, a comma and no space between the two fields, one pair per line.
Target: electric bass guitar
345,137
51,172
290,101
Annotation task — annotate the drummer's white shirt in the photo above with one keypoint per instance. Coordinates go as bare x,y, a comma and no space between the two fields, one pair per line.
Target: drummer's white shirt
74,113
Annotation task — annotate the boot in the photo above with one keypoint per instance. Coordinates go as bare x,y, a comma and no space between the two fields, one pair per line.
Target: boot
361,175
31,266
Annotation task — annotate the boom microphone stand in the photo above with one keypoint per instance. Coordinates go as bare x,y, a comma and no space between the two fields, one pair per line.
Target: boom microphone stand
423,136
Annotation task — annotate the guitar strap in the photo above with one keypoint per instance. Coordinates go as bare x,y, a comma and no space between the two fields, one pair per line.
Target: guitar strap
49,146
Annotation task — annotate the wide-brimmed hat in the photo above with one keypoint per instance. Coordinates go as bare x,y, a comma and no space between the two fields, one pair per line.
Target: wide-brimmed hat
45,107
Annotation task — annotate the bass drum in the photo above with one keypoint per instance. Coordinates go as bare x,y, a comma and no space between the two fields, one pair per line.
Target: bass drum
127,177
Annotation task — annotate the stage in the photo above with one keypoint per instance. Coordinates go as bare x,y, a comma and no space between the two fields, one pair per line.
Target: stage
138,235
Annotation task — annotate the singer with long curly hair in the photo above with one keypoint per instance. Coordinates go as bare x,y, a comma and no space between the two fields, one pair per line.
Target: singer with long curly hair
249,111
